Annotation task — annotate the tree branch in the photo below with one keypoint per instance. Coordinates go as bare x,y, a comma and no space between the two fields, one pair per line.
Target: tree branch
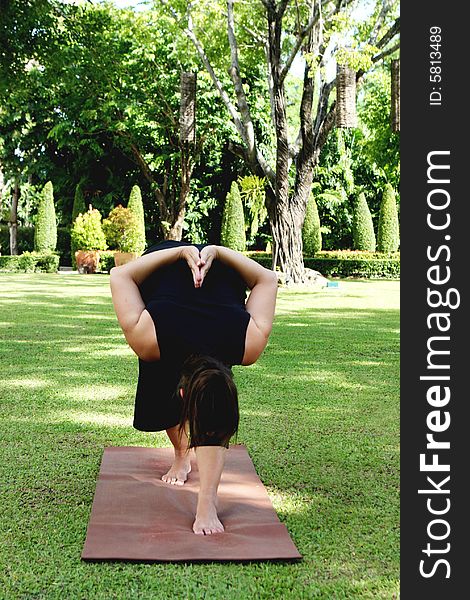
269,4
281,9
300,38
394,29
234,71
385,53
386,4
255,154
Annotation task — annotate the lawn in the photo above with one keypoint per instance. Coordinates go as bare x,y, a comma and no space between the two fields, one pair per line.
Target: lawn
319,416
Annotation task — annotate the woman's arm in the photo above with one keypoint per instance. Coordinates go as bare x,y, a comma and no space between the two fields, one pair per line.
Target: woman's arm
135,321
261,302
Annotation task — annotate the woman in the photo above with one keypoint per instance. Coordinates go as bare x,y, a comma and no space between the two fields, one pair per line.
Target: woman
182,310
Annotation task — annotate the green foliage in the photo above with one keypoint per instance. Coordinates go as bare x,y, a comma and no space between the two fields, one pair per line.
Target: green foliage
356,58
345,161
386,268
363,227
30,262
388,232
87,231
122,230
233,221
135,206
64,245
311,232
78,207
24,235
45,233
78,203
380,146
252,192
106,260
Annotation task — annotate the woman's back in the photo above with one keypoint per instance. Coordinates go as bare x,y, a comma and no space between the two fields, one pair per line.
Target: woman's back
210,320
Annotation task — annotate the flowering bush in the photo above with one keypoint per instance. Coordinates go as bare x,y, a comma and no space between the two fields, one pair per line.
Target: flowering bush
121,229
87,232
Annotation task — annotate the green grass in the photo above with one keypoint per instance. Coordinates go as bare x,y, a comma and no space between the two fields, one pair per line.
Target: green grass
319,416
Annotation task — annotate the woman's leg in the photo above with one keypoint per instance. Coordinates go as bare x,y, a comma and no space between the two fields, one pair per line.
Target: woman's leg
210,462
181,466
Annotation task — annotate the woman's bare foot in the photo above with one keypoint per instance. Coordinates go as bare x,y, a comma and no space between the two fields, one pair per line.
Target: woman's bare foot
207,521
179,470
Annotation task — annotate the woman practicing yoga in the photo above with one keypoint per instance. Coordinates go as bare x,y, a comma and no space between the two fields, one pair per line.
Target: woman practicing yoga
182,310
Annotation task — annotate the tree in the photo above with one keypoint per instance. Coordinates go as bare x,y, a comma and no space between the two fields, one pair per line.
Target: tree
136,207
291,28
388,234
24,100
363,228
311,233
45,232
116,79
233,221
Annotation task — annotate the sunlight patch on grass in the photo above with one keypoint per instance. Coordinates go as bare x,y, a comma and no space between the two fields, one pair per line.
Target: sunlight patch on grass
91,418
28,383
97,392
120,351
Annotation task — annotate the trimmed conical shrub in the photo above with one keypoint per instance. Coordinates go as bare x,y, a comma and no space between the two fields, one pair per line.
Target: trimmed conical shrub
45,231
78,208
135,205
78,203
233,221
311,234
363,227
388,237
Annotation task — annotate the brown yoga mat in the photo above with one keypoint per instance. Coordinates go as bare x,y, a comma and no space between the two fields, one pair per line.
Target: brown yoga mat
137,517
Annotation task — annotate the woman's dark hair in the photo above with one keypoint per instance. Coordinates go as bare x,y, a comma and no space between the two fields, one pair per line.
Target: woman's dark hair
210,401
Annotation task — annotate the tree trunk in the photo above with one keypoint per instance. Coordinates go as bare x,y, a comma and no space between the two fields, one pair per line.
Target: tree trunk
286,227
176,230
285,217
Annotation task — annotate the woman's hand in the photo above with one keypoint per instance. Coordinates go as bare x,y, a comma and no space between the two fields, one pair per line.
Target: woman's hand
191,255
208,255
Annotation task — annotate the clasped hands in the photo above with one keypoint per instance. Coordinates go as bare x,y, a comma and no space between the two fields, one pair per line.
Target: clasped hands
199,262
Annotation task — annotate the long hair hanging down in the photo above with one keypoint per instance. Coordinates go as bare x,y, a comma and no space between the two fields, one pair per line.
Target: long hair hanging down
210,402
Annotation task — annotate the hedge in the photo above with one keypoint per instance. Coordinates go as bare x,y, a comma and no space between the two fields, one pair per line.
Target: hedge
380,268
25,237
346,264
30,262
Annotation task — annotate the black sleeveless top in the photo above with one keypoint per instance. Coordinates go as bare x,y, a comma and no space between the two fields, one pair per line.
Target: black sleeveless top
211,320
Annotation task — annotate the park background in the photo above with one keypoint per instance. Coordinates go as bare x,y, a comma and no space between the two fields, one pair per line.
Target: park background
92,114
